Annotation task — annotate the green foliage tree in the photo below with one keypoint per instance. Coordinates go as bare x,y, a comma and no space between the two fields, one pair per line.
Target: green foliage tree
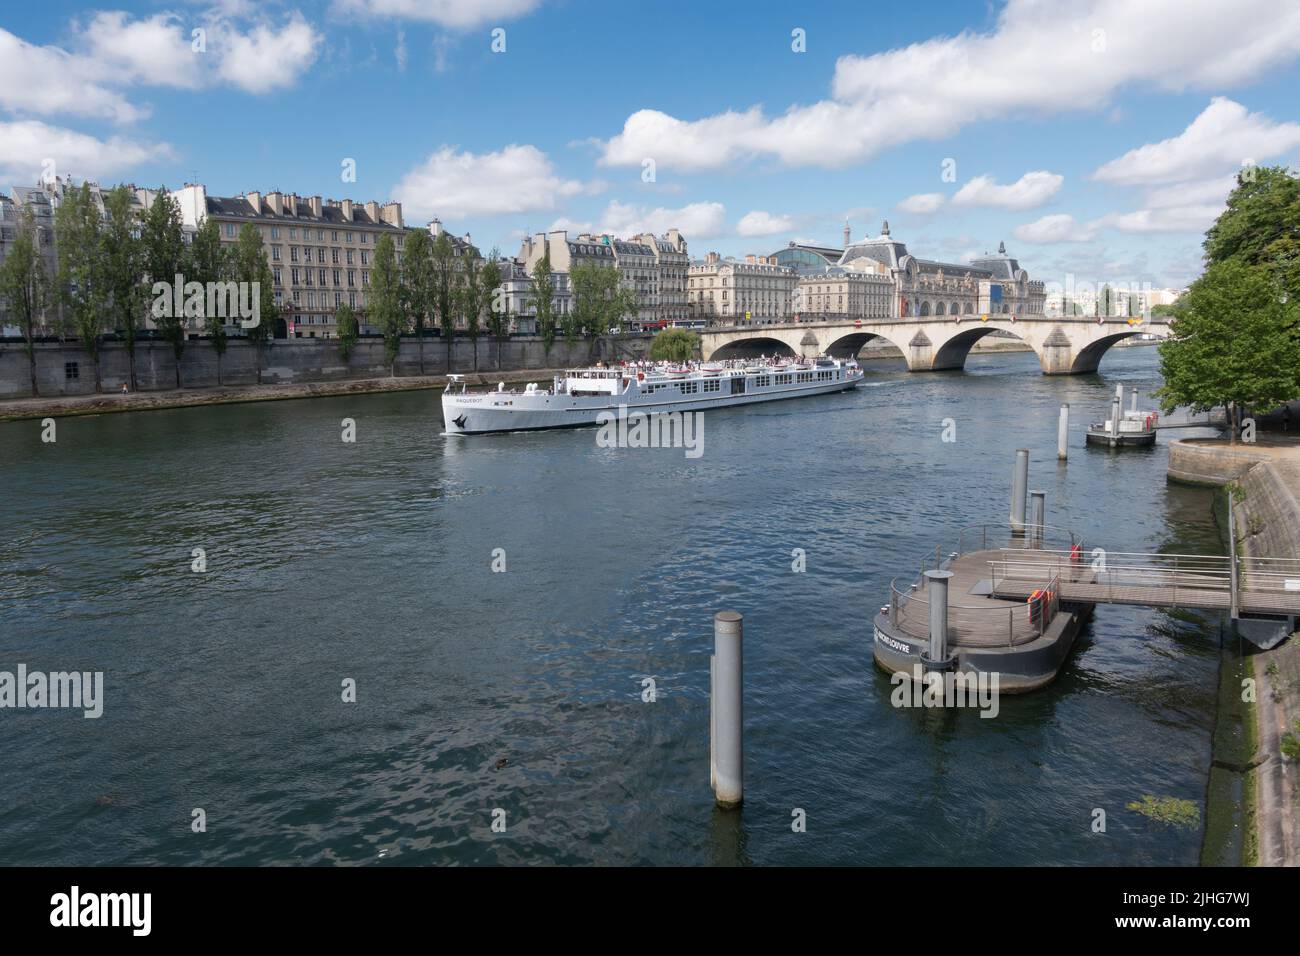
674,345
121,263
1233,344
1261,226
600,301
1237,329
385,299
417,284
443,257
76,232
248,264
474,294
498,316
543,301
165,257
208,262
24,285
345,320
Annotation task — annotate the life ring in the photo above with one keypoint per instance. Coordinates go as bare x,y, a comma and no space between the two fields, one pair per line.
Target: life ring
1076,553
640,376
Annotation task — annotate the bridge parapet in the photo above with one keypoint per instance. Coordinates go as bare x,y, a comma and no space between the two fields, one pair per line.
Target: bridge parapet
1064,346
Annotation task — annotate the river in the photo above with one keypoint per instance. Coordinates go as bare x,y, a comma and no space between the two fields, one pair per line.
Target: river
521,690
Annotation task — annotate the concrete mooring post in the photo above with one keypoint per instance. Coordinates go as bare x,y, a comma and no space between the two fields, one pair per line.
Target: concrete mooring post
937,586
726,710
1019,485
1063,432
1037,517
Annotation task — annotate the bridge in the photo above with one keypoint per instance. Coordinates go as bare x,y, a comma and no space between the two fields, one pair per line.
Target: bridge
1064,346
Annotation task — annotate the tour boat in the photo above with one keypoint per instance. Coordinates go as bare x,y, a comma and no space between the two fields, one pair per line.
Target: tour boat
582,396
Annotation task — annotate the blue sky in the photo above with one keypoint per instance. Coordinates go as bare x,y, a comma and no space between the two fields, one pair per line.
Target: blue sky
1096,137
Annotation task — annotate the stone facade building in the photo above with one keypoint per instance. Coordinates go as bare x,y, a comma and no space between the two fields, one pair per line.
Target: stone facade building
751,291
320,250
988,284
841,292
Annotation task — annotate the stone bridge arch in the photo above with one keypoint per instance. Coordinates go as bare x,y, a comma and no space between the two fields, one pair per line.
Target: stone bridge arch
752,347
848,346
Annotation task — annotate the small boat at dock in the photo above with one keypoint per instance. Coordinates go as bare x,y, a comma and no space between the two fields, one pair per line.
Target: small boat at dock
1124,429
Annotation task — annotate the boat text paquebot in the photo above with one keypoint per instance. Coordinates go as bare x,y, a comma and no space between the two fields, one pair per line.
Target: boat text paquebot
580,396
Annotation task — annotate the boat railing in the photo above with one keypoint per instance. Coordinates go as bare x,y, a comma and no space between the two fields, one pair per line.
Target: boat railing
982,624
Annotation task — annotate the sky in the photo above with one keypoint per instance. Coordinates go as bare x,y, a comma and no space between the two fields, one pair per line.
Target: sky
1096,138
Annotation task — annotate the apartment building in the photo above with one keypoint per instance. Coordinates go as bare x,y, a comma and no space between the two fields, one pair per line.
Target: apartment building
674,265
320,250
755,290
840,292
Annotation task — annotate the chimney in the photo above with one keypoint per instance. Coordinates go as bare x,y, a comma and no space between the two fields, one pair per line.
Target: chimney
346,206
712,258
435,227
255,200
372,210
751,259
273,203
391,213
315,206
291,204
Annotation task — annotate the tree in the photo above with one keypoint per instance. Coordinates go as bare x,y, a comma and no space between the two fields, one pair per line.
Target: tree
24,285
1233,344
385,299
417,284
345,320
599,301
498,317
474,297
543,300
76,232
121,264
208,262
1261,226
249,265
443,257
674,345
163,242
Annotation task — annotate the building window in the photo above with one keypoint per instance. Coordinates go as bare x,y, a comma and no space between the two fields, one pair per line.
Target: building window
275,232
347,237
71,371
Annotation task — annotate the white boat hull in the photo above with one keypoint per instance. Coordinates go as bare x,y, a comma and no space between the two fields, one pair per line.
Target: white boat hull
476,413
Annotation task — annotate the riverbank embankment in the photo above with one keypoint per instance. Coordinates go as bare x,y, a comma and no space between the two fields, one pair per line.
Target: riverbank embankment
61,406
1265,478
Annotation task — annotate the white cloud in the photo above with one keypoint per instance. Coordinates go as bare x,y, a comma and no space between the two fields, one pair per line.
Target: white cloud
922,204
265,58
1042,57
1204,192
26,146
1171,219
760,223
453,185
399,51
1061,227
454,14
156,51
110,52
1030,191
698,220
46,79
1221,138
